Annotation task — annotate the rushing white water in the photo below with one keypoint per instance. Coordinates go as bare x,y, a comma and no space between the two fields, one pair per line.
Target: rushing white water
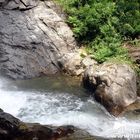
64,109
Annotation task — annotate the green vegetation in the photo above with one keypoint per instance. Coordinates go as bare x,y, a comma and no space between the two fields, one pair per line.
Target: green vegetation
103,25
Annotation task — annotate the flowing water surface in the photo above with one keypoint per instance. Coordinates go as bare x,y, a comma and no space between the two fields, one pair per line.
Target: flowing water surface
62,101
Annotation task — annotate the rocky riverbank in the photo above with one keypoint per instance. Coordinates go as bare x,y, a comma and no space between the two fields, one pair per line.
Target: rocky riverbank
35,41
12,128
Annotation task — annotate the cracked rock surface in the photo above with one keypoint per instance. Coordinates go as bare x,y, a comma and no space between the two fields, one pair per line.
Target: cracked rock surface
32,38
113,85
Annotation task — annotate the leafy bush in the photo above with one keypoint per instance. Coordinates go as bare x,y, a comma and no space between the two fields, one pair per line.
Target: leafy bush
103,24
128,12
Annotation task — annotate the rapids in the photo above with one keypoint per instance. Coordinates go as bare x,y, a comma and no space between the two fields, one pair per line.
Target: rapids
62,101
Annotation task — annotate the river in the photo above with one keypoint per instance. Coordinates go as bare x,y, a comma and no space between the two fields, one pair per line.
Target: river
62,101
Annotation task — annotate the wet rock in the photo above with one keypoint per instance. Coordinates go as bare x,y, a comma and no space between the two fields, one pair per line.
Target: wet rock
32,38
134,107
113,85
12,128
9,126
42,132
79,135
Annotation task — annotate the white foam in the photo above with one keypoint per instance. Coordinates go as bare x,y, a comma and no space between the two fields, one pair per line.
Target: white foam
64,109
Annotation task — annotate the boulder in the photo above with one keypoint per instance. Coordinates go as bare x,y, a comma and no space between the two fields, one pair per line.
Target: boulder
32,38
42,132
12,128
9,126
112,85
74,64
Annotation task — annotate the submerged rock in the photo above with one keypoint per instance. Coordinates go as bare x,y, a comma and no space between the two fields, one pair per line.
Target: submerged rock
32,38
113,85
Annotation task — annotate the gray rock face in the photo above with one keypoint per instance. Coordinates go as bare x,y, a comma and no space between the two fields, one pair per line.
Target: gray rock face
114,86
32,38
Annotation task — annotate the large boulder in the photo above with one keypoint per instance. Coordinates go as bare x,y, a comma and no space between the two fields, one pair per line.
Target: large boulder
113,85
32,38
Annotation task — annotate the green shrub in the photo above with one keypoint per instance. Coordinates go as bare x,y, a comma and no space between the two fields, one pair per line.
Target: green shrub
128,12
103,25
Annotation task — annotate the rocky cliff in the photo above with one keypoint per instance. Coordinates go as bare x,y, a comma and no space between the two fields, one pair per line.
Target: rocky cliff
32,38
